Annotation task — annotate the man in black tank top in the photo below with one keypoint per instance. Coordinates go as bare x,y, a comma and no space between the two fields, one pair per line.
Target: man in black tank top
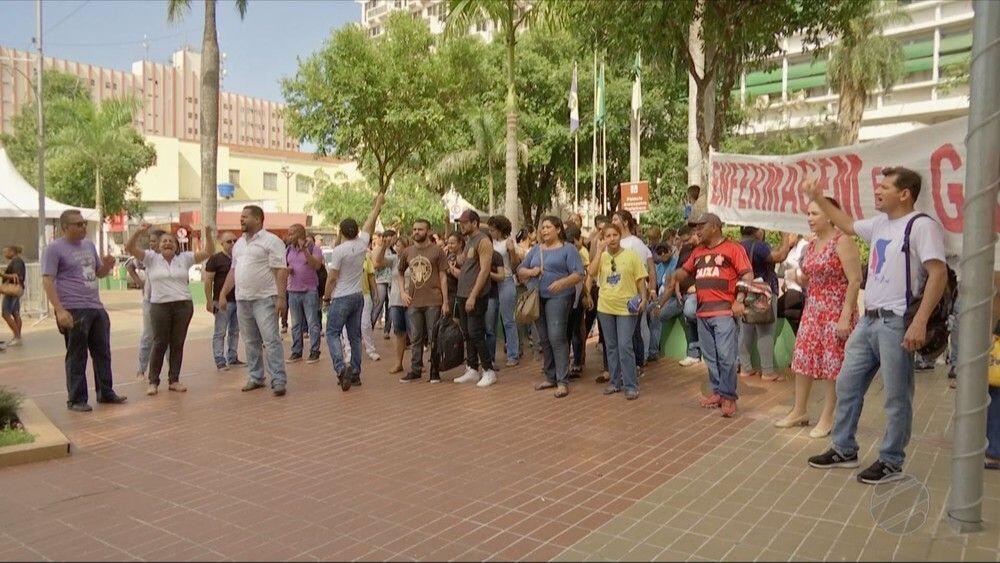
473,298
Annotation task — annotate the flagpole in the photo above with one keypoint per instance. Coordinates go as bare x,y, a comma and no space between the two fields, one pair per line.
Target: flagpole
593,154
604,156
576,150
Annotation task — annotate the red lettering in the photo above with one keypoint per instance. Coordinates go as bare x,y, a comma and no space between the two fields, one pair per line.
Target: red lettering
790,193
741,201
951,222
845,183
756,182
717,187
772,179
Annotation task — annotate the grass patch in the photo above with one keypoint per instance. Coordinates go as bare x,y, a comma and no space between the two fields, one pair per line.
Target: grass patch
15,436
9,403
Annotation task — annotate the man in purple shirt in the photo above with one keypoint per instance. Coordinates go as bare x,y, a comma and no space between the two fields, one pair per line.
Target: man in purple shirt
304,259
70,269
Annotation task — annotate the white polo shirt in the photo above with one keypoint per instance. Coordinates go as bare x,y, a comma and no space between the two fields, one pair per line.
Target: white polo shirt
253,259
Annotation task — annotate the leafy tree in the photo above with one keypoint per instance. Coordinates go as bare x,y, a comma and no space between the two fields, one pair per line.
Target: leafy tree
862,60
209,107
102,140
385,101
736,34
509,17
71,177
336,198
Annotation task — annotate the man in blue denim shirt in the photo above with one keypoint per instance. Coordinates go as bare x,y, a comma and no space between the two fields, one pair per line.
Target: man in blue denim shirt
882,341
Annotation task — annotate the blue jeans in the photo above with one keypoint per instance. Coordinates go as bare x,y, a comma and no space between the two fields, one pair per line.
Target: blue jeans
226,323
508,299
655,333
717,337
876,344
688,321
259,326
492,310
91,332
304,308
145,340
552,336
993,424
345,312
618,334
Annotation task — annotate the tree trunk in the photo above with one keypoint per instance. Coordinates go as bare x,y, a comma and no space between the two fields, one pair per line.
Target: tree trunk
209,119
706,127
850,110
489,182
99,203
510,168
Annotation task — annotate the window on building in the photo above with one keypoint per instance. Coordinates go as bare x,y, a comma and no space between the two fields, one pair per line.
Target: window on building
303,183
234,177
271,181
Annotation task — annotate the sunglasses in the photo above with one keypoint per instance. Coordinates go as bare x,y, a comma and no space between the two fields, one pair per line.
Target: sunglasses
77,224
228,241
614,267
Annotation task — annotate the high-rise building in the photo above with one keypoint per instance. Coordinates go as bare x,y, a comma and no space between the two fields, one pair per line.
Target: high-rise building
375,12
793,92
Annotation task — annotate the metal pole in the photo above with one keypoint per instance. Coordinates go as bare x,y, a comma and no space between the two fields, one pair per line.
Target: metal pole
593,154
41,134
965,504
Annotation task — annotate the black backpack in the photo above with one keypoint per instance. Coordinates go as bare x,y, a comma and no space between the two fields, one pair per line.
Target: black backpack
937,324
449,346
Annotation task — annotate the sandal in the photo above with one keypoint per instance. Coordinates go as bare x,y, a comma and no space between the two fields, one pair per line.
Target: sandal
545,385
562,391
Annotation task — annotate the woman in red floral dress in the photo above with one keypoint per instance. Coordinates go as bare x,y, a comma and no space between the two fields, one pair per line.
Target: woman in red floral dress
830,268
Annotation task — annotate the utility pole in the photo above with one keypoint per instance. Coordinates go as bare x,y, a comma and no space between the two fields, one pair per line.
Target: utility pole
288,176
41,133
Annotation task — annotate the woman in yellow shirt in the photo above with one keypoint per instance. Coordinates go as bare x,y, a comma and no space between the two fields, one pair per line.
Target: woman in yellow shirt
621,275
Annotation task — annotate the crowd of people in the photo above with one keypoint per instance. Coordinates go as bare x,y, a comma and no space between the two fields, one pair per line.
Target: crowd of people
726,295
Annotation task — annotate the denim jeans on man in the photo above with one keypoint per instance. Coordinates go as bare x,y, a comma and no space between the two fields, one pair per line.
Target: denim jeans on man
717,337
422,325
227,325
876,345
993,424
552,337
91,332
618,338
305,314
259,327
145,340
345,312
688,320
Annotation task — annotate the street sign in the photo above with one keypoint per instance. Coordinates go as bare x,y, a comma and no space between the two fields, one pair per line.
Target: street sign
634,196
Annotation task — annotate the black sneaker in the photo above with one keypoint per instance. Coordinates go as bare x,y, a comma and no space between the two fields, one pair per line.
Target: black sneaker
436,378
923,367
79,407
278,391
294,358
113,400
831,459
952,374
313,358
345,379
409,377
879,472
237,364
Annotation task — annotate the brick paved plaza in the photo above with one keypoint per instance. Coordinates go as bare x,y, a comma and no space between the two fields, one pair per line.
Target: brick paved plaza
450,472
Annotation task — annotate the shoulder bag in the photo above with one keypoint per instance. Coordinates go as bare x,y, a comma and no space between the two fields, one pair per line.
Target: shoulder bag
527,308
937,324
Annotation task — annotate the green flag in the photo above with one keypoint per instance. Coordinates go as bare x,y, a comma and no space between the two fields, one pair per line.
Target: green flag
600,109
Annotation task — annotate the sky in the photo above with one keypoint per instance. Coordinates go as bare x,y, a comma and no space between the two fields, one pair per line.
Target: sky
260,50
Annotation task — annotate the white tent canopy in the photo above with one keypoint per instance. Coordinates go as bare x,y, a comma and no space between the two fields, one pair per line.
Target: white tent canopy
456,204
19,199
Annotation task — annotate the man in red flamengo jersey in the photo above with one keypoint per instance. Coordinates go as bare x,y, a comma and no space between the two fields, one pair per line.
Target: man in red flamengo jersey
717,265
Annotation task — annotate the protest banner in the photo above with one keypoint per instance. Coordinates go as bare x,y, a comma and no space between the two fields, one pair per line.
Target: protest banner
765,190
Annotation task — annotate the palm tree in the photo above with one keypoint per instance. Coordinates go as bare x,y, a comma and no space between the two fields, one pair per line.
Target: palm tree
863,60
510,17
98,135
489,148
209,126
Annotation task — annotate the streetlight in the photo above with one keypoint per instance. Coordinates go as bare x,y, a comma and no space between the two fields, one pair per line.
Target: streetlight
288,175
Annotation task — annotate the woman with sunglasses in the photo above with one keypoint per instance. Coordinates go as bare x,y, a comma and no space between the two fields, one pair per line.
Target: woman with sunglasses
556,265
171,307
621,275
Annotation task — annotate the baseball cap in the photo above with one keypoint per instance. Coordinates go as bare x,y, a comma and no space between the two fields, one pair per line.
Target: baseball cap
467,216
705,218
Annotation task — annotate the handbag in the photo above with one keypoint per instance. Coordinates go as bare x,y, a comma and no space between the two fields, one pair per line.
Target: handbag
759,310
937,324
11,289
528,306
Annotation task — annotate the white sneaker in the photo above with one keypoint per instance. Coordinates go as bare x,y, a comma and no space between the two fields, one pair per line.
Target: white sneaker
470,376
14,342
374,357
489,378
689,361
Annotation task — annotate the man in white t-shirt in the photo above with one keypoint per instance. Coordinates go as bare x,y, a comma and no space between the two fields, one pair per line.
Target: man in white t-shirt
344,294
882,341
259,274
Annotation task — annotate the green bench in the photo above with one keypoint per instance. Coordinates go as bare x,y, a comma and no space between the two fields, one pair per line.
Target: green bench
673,342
